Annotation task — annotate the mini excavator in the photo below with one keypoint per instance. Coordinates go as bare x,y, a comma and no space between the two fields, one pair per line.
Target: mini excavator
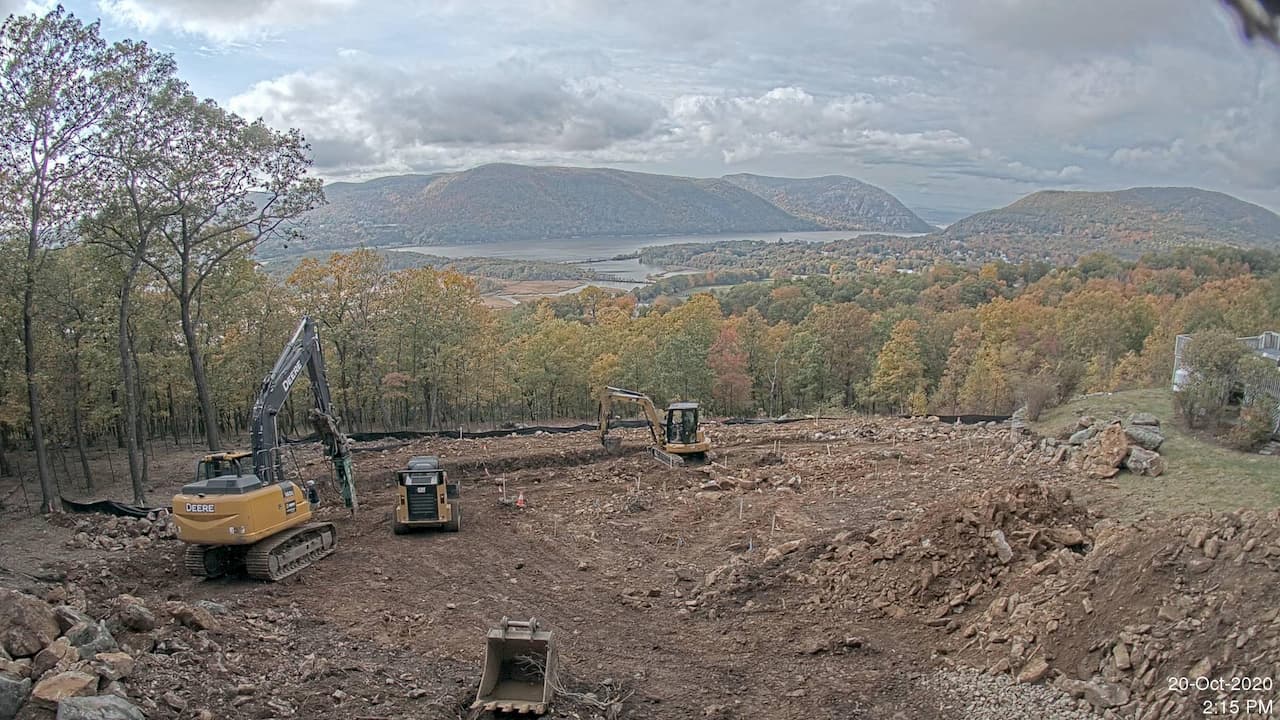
242,510
677,441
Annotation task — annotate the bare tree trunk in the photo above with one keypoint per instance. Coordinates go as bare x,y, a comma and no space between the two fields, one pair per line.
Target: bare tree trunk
173,417
77,419
207,408
47,490
137,459
5,468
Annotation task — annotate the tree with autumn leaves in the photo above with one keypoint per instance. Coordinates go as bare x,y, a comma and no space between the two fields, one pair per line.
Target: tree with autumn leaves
102,142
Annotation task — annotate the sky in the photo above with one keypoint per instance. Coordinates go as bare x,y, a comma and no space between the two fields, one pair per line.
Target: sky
954,106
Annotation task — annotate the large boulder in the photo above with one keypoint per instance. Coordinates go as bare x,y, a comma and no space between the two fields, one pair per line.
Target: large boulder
99,707
136,617
91,639
194,617
1113,446
13,693
27,624
69,617
1144,462
1145,436
1144,418
50,691
1103,695
113,665
1081,437
59,653
213,607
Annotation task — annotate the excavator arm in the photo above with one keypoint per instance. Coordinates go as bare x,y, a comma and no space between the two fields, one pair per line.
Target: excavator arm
302,352
613,395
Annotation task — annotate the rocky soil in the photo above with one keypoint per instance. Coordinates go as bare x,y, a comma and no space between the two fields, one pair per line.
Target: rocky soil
854,569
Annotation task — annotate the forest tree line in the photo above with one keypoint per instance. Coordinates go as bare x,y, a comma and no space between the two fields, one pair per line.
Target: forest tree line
418,349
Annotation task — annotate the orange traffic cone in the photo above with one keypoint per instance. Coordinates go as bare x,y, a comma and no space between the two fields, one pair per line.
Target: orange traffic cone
520,500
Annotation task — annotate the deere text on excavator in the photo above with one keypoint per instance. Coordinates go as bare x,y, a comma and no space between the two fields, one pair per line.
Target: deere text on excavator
677,441
242,509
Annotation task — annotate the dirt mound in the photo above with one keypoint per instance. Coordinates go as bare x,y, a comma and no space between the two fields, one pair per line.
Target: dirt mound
936,566
1192,598
1025,581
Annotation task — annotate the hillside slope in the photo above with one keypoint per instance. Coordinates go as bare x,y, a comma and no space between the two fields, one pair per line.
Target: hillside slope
514,202
1124,221
835,202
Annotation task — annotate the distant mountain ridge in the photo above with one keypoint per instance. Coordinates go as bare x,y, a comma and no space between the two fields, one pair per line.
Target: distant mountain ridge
835,202
1124,221
517,202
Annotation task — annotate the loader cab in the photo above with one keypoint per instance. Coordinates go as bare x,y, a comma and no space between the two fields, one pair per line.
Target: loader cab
682,423
426,498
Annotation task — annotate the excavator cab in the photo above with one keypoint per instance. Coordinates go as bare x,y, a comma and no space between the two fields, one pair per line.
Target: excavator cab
682,423
426,498
220,465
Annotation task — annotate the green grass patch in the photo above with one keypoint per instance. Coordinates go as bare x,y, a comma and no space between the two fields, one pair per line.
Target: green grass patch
1202,474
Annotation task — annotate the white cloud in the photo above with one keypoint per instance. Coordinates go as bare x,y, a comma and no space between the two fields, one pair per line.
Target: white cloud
1161,157
360,115
223,20
25,7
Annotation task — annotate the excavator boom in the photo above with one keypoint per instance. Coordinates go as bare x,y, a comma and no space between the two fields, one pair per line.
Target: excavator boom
302,351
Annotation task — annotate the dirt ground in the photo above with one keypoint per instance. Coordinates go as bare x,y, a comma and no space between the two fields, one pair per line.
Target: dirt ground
820,569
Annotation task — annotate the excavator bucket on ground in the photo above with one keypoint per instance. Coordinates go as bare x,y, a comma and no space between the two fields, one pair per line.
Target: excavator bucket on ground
519,669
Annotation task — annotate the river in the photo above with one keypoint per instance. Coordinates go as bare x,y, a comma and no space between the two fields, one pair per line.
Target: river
579,250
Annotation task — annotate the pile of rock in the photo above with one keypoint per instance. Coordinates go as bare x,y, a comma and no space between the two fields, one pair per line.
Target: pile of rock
56,657
1189,599
106,532
1103,448
934,568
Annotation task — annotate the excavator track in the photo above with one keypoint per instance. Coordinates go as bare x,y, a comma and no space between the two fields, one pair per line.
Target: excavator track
282,555
199,561
676,461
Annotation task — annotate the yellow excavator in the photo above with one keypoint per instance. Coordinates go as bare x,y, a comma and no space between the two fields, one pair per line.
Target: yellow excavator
677,440
242,511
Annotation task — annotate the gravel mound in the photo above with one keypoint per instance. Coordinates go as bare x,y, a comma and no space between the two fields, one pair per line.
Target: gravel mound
982,696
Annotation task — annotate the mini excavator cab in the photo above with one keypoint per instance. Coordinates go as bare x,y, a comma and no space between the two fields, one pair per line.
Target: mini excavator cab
682,423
